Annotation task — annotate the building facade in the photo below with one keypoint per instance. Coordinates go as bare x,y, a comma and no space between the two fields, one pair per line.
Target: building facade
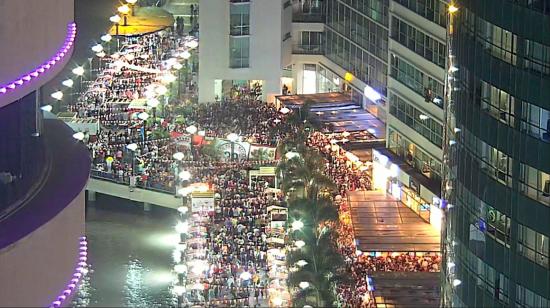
43,170
242,44
497,154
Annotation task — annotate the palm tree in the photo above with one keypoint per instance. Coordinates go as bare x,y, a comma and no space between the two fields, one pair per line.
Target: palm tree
324,267
305,171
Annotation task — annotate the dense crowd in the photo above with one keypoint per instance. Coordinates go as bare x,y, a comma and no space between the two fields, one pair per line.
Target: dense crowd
235,242
232,239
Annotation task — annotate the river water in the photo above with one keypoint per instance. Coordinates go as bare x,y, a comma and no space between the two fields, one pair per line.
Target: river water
130,252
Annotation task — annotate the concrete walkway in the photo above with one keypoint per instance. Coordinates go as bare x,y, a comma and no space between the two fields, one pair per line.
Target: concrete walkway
384,224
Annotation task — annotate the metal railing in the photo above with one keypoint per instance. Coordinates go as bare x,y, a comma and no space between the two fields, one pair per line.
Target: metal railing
125,180
307,49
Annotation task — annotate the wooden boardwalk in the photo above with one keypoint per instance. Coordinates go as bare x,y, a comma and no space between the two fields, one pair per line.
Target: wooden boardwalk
384,224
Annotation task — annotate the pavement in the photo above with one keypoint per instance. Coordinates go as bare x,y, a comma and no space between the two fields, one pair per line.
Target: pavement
384,224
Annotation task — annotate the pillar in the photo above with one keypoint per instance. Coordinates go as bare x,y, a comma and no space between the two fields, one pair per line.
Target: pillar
147,206
91,196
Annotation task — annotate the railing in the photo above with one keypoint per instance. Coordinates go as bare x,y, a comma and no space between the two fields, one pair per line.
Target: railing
307,49
125,180
308,11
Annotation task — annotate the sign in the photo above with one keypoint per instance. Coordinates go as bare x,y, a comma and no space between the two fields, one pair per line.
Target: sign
414,185
261,153
202,202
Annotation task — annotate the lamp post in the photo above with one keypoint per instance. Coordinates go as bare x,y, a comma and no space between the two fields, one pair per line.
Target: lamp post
116,20
132,147
191,130
124,10
153,103
232,138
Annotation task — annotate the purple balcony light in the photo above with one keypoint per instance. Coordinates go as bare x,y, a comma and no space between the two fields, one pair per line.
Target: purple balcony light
80,271
68,43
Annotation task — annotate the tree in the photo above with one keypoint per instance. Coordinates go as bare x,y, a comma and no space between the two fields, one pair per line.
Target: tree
305,171
211,151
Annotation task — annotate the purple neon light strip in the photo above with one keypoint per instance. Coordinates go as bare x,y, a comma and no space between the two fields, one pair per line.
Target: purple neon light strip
67,45
79,272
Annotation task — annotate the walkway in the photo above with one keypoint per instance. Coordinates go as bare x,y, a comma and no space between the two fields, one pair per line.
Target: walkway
384,224
406,289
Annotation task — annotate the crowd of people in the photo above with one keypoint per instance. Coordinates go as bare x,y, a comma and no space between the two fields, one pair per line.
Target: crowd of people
232,239
234,245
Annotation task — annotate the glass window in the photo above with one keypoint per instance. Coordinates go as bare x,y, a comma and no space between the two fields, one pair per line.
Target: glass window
419,42
239,52
535,184
497,103
239,19
536,121
533,245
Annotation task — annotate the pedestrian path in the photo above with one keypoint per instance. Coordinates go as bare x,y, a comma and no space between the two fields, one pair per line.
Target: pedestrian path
383,224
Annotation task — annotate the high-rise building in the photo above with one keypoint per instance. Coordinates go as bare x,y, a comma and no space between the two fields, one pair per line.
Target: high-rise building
43,169
243,44
497,155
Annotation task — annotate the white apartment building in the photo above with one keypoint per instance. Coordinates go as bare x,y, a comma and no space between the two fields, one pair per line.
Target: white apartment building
242,43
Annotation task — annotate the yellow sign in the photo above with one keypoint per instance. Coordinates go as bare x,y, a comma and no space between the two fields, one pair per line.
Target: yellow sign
348,77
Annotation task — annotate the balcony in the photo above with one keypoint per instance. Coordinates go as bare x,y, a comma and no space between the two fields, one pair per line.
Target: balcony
300,49
308,11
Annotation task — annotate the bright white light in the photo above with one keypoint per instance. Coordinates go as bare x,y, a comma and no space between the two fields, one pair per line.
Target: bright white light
185,175
177,66
304,285
302,263
371,94
123,9
291,155
115,19
58,95
79,71
232,137
191,129
168,78
277,301
143,116
358,252
185,54
153,102
300,244
161,90
68,83
198,286
452,142
201,133
457,130
131,1
183,209
184,191
297,225
78,136
192,44
132,147
371,130
178,156
245,276
101,54
182,227
179,290
450,265
423,117
106,38
97,48
453,69
456,282
47,108
130,57
176,255
180,268
284,110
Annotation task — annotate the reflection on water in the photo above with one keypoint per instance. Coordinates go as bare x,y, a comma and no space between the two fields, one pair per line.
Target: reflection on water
130,253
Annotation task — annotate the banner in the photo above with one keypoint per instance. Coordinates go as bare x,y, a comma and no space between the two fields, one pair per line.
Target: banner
202,202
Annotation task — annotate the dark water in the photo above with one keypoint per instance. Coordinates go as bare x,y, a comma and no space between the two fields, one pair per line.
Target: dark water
130,252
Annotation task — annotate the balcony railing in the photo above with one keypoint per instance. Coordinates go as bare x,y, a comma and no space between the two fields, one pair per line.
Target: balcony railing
308,11
307,49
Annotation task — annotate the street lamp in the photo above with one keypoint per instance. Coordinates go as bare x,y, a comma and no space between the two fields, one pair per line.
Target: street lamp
300,244
58,95
153,102
79,71
161,90
97,48
132,147
297,225
68,83
232,137
303,285
284,110
107,37
178,156
184,175
78,136
47,108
